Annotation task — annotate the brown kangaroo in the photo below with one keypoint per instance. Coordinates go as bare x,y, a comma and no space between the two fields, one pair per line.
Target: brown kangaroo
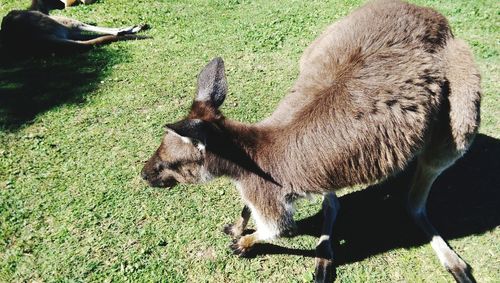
384,86
35,30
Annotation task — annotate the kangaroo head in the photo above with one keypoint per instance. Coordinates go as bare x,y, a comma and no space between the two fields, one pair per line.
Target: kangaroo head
181,155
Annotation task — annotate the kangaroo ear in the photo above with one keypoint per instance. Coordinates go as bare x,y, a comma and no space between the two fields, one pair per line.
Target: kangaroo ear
212,84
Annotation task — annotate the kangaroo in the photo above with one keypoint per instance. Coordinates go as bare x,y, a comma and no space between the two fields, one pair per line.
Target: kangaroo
385,85
35,29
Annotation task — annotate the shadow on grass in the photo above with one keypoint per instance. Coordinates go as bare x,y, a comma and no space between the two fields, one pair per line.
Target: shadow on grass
30,86
464,200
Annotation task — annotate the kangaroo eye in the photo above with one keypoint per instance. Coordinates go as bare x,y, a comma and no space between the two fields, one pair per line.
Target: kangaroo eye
166,165
173,165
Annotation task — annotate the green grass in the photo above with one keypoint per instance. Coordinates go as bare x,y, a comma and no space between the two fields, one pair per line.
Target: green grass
74,133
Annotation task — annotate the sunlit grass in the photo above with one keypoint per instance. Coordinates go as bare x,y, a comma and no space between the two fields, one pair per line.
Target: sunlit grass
72,205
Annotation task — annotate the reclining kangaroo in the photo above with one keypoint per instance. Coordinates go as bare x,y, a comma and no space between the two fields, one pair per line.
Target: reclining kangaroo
34,30
384,86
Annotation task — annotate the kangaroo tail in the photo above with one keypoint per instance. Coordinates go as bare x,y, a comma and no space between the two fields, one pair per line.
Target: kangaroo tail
105,39
68,45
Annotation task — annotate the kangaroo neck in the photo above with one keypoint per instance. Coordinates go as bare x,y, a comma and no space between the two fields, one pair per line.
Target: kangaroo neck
233,150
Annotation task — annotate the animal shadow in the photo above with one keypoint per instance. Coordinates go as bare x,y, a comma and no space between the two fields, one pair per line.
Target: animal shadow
464,200
31,86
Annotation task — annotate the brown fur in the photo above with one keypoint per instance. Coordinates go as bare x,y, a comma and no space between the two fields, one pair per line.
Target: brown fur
385,85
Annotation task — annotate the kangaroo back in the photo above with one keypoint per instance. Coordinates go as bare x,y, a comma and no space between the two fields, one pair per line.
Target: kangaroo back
371,87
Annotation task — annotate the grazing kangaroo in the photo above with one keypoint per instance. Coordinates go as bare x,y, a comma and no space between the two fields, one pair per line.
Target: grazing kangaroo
384,86
35,29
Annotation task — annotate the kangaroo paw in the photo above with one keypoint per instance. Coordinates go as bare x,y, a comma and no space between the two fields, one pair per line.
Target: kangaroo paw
243,246
132,29
325,271
239,250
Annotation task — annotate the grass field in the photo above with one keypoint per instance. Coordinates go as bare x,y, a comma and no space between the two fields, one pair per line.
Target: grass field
74,133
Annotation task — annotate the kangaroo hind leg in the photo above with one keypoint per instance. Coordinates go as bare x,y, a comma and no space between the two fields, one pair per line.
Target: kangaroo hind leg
112,31
449,140
78,29
422,181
